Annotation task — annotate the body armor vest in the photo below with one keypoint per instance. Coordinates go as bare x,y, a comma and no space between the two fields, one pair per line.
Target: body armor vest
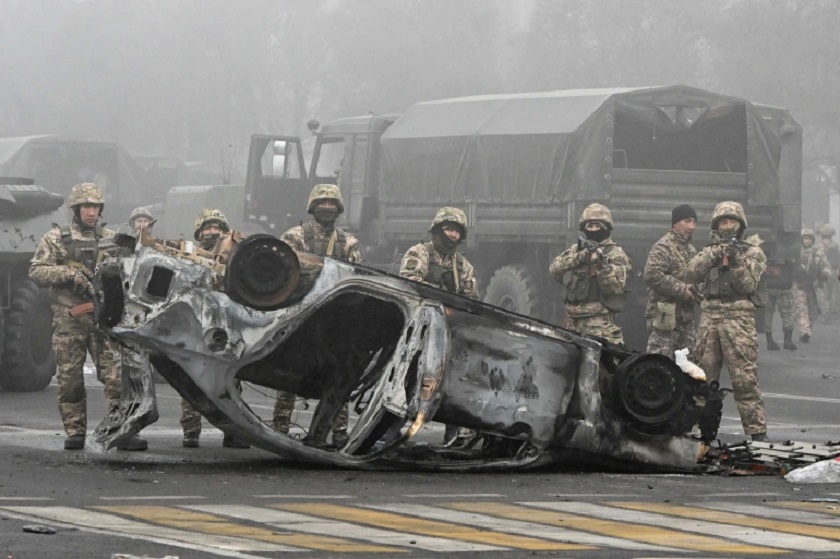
320,246
81,252
582,287
445,278
779,274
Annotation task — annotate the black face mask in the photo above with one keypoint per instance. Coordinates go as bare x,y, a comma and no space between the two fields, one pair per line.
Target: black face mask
325,216
443,244
207,242
598,236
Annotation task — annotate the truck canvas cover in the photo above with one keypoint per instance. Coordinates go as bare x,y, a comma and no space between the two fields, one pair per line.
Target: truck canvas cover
562,146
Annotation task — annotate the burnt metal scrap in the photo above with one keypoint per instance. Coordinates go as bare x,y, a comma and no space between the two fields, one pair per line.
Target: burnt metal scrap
402,354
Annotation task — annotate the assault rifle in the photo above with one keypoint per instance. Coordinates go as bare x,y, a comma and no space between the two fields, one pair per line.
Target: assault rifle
591,246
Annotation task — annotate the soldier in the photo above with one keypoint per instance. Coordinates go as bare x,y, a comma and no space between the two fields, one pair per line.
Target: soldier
830,291
209,226
319,236
65,261
814,267
141,218
730,270
779,280
438,263
671,299
594,274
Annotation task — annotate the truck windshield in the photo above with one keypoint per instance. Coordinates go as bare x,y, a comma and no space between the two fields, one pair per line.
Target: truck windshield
329,158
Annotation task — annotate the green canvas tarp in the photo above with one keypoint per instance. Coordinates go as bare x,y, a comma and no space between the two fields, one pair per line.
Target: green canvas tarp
561,146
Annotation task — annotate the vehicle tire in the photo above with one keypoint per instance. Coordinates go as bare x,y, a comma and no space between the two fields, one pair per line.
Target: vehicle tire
514,288
28,357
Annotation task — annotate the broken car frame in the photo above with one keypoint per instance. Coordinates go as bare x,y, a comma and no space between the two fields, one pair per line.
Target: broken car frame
400,353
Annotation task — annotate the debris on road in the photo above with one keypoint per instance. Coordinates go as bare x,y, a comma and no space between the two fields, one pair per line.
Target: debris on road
38,529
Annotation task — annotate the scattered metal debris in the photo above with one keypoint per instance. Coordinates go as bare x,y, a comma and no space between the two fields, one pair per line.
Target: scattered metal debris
38,529
752,458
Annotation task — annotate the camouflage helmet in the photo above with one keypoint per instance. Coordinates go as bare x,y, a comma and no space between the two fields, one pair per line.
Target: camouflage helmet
142,211
208,216
451,215
827,230
323,192
596,212
808,233
730,209
86,193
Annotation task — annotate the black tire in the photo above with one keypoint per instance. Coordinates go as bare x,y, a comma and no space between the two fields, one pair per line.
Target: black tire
514,289
28,357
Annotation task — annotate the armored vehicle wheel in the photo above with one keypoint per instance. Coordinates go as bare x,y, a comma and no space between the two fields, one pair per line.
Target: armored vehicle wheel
28,358
514,289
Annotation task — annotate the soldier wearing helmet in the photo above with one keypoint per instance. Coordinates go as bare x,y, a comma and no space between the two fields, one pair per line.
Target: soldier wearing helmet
439,263
814,269
594,274
210,224
319,236
141,218
65,261
730,270
829,294
781,266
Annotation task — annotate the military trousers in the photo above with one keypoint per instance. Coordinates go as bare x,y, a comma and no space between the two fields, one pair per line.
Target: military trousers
781,299
667,342
73,339
600,325
733,341
805,302
284,406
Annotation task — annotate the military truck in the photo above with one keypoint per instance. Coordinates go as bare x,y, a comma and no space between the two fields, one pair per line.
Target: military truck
524,166
27,211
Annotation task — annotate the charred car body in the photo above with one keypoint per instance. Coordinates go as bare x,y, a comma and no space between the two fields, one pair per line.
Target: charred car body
402,354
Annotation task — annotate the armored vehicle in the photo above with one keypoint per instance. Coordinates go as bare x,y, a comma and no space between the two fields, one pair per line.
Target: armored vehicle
27,211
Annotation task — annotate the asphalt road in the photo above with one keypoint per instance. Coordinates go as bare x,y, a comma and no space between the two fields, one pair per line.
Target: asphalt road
220,502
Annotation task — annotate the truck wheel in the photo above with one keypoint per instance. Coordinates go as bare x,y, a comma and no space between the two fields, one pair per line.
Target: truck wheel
514,289
28,357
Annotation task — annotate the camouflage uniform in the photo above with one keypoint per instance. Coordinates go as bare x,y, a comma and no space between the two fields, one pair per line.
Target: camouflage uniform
594,290
779,279
316,238
829,293
814,268
665,276
64,261
727,331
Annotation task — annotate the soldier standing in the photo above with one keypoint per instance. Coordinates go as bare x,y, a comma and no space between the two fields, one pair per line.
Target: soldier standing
594,274
209,226
814,267
671,299
319,236
830,291
730,270
779,280
65,261
439,263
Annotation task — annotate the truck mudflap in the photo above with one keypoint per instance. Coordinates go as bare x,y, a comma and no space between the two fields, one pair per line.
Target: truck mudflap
405,358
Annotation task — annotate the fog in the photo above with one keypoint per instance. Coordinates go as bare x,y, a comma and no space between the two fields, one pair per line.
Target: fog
195,78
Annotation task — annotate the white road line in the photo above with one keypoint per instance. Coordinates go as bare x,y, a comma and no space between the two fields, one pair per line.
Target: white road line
103,523
154,498
755,536
456,496
295,522
742,495
25,498
518,527
790,515
797,397
303,496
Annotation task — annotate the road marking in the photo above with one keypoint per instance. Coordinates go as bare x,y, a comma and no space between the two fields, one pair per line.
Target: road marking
796,397
776,533
217,525
154,498
824,508
455,496
303,496
25,498
426,527
804,517
526,524
100,523
313,525
614,534
743,494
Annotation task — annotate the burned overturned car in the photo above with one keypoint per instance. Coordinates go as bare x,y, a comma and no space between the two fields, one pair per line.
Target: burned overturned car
405,356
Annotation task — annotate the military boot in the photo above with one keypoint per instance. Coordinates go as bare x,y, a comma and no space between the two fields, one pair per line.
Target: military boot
771,343
74,442
788,343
